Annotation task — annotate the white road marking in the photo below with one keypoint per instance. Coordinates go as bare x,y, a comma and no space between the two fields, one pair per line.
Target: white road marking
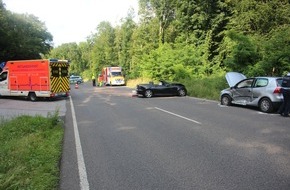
177,115
263,113
84,184
110,103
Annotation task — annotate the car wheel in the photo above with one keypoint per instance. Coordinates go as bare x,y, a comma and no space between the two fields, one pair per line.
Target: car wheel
226,100
181,92
266,105
78,82
32,96
148,93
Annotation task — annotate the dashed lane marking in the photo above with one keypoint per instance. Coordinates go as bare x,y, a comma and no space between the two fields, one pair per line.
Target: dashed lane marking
178,115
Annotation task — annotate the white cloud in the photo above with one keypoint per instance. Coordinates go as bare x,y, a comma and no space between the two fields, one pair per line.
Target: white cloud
73,20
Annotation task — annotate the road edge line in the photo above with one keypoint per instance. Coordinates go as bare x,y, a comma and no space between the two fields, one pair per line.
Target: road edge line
84,184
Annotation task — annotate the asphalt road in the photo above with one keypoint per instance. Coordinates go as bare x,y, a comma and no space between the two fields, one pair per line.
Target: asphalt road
11,107
115,141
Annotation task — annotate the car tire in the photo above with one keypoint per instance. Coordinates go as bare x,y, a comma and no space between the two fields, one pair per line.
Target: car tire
181,92
32,96
148,94
266,105
226,100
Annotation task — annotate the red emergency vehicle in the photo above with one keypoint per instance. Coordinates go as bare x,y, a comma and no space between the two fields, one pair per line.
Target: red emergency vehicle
35,78
113,76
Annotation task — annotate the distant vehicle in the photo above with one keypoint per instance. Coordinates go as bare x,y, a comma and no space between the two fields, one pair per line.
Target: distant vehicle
75,79
162,89
113,76
261,92
35,78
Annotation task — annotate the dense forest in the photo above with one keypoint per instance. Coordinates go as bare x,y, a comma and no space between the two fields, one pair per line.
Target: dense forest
172,40
22,36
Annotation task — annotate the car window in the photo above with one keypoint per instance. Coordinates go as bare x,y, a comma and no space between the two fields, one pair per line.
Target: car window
74,77
261,82
245,83
55,71
64,72
3,76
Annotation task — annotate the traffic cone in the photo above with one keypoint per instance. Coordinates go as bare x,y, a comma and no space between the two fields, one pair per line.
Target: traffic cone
76,86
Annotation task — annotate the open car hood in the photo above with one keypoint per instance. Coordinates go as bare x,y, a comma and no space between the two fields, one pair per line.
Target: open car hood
233,78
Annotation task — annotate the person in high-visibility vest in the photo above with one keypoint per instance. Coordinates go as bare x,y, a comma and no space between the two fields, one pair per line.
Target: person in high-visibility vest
94,80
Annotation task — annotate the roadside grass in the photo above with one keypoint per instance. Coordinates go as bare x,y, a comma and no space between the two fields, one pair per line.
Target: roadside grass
207,88
132,83
30,152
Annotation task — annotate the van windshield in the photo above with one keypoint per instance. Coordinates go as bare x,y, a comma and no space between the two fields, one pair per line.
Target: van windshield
115,74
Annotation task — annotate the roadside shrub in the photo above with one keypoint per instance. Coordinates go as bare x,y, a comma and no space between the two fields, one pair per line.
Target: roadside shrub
208,88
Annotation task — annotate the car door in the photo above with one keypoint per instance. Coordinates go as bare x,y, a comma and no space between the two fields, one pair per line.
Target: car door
243,92
171,89
159,89
168,88
260,88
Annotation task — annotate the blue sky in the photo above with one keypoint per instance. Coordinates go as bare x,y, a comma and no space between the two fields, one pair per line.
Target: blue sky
73,20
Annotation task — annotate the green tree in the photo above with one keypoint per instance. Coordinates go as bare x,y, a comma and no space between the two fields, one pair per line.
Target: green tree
191,39
164,11
259,16
242,52
173,62
124,42
71,52
276,53
144,40
203,23
23,36
259,47
103,53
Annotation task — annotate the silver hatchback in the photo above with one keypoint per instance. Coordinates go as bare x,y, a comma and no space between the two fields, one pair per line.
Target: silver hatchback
75,79
262,92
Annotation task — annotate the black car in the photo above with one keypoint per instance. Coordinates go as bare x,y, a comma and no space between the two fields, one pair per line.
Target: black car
161,89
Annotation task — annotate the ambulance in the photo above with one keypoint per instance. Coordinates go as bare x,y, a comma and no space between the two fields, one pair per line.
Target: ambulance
113,76
35,78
